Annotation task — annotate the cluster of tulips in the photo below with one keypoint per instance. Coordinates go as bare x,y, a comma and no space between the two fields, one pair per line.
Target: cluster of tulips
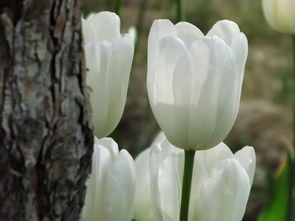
194,86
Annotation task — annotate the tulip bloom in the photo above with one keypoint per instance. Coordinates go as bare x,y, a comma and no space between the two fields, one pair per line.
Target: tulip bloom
108,60
220,186
194,81
280,14
111,186
143,206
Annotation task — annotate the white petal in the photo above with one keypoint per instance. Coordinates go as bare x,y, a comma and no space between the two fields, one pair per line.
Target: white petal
205,163
159,138
230,93
117,81
133,33
168,187
108,82
270,12
224,196
87,31
106,25
286,15
177,125
200,54
98,57
120,188
240,52
247,158
160,28
143,209
210,158
188,33
224,29
160,84
158,154
109,144
182,81
202,121
167,146
280,14
95,195
228,102
205,90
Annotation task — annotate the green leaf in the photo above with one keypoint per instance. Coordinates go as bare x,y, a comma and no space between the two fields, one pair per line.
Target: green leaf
277,208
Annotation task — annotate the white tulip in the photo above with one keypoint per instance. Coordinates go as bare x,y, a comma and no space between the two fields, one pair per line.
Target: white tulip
111,186
280,14
220,186
108,60
221,183
146,164
194,81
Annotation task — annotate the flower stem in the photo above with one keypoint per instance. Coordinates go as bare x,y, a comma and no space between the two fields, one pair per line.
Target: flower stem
293,94
291,209
180,11
118,7
140,21
186,184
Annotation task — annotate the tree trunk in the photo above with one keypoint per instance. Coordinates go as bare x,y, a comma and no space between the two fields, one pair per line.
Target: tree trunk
45,135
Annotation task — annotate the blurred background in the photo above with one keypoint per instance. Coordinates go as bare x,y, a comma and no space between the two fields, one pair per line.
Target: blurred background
265,116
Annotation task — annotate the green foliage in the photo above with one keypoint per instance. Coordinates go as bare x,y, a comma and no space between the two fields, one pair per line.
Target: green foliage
288,88
277,208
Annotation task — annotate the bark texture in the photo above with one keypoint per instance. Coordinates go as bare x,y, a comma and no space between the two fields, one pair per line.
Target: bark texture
45,135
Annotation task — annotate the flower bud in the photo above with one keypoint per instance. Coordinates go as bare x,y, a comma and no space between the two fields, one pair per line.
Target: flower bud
280,14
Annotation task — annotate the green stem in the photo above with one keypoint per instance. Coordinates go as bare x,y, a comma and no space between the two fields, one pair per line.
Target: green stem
140,21
186,184
180,10
293,94
118,7
291,209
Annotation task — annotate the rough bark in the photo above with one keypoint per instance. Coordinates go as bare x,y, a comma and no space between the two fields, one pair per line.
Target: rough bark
45,136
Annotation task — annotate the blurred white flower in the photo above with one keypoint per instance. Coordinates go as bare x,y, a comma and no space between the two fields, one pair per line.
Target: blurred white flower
133,33
194,81
111,186
220,186
108,60
280,14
